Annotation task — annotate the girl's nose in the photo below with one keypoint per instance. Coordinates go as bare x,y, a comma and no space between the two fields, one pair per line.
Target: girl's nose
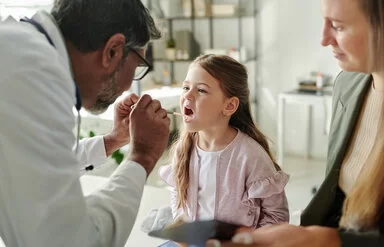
188,95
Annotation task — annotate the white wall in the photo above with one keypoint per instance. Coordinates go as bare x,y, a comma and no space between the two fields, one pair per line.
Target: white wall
23,8
289,48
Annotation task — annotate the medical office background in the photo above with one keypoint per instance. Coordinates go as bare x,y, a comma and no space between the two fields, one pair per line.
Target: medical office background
281,41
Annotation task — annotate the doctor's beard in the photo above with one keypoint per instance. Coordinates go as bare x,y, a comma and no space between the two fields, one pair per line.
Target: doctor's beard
106,96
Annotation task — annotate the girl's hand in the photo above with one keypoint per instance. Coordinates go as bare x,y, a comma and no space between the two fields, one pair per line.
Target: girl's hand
284,235
179,221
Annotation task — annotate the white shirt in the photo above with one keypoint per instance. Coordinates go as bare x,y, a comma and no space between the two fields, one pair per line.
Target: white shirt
207,184
41,201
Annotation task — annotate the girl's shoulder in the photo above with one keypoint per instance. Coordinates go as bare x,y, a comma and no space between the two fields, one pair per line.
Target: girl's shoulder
249,145
253,156
166,174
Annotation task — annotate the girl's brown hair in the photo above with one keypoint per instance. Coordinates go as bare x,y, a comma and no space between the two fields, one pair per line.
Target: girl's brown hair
363,207
233,79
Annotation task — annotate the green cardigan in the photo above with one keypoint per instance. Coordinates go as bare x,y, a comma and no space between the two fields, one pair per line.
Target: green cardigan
348,97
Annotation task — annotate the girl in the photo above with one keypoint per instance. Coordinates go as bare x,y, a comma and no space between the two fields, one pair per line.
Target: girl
222,168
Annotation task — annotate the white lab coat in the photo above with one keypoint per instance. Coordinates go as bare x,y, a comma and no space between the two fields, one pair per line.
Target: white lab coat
41,201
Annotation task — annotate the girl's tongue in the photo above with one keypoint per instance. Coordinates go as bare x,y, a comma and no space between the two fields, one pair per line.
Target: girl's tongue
188,113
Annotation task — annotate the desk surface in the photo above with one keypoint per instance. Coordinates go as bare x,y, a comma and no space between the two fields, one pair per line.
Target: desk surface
313,93
304,97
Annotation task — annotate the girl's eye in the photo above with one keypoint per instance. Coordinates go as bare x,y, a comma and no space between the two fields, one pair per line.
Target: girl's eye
202,91
185,88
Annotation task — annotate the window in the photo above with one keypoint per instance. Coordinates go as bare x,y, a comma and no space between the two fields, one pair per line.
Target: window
22,8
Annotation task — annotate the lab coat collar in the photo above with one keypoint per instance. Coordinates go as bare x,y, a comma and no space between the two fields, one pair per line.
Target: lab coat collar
50,25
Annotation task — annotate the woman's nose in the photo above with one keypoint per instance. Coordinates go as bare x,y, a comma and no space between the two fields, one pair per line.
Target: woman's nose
327,38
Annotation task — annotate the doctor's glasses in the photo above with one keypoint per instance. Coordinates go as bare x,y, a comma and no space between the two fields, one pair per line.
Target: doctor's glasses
142,68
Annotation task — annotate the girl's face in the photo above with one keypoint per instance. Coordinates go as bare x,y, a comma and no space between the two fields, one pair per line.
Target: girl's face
202,100
347,30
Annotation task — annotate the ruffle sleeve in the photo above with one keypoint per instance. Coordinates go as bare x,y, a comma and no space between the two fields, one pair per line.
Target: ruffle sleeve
166,174
268,186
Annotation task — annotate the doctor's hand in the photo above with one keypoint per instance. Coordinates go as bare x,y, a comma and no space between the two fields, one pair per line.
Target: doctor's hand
149,132
119,136
284,235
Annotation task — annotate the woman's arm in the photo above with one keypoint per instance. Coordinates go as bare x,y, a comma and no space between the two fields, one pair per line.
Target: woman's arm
297,236
288,236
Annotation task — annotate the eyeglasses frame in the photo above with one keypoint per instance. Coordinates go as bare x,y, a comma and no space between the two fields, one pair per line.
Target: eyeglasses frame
150,67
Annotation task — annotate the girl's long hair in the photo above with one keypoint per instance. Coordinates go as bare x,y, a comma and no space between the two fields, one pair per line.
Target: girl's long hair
363,207
233,79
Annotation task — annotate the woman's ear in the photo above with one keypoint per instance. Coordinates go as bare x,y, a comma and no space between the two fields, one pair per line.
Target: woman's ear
231,105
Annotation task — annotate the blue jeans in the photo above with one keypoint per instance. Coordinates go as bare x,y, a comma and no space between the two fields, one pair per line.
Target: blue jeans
173,244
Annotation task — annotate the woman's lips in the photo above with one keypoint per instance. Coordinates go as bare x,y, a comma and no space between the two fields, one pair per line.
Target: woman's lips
338,55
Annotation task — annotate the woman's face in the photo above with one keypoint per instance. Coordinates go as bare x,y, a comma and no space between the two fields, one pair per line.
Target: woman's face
347,31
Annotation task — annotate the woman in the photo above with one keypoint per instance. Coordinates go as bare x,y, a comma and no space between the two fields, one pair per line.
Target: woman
348,208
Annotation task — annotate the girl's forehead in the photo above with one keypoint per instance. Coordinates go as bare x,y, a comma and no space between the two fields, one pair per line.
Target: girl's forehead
197,74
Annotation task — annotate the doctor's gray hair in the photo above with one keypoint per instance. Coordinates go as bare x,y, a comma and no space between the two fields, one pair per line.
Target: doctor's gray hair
88,24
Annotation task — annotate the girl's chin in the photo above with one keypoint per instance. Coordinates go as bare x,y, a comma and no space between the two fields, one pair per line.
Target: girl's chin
190,127
188,119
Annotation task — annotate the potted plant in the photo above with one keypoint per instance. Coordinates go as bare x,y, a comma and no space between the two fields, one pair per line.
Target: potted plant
171,49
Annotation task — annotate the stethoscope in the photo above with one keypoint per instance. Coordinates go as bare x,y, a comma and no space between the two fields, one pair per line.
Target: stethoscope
41,29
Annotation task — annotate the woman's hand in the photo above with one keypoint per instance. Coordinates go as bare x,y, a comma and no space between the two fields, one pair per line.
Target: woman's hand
285,235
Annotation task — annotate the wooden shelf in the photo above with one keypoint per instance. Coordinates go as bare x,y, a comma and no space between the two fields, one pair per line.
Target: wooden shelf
167,60
205,17
190,60
249,60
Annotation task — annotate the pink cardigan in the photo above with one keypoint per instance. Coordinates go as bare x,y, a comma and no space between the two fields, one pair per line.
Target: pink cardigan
249,190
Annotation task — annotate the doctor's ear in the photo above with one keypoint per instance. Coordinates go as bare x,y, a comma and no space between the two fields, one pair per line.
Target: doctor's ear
231,105
113,51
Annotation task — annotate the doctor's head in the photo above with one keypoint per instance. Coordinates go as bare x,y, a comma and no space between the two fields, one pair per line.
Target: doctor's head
106,43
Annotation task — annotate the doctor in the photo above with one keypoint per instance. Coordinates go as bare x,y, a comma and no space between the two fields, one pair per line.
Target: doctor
83,53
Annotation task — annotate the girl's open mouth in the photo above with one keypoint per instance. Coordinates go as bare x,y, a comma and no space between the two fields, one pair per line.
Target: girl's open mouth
188,113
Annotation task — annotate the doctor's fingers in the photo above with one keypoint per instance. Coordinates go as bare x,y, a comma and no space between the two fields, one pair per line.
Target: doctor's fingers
154,106
161,113
142,104
129,100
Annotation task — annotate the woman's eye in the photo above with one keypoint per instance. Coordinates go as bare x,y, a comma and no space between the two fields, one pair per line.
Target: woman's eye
185,88
202,91
336,27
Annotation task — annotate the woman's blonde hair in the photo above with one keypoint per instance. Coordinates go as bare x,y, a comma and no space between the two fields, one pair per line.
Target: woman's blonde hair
374,12
363,207
233,79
